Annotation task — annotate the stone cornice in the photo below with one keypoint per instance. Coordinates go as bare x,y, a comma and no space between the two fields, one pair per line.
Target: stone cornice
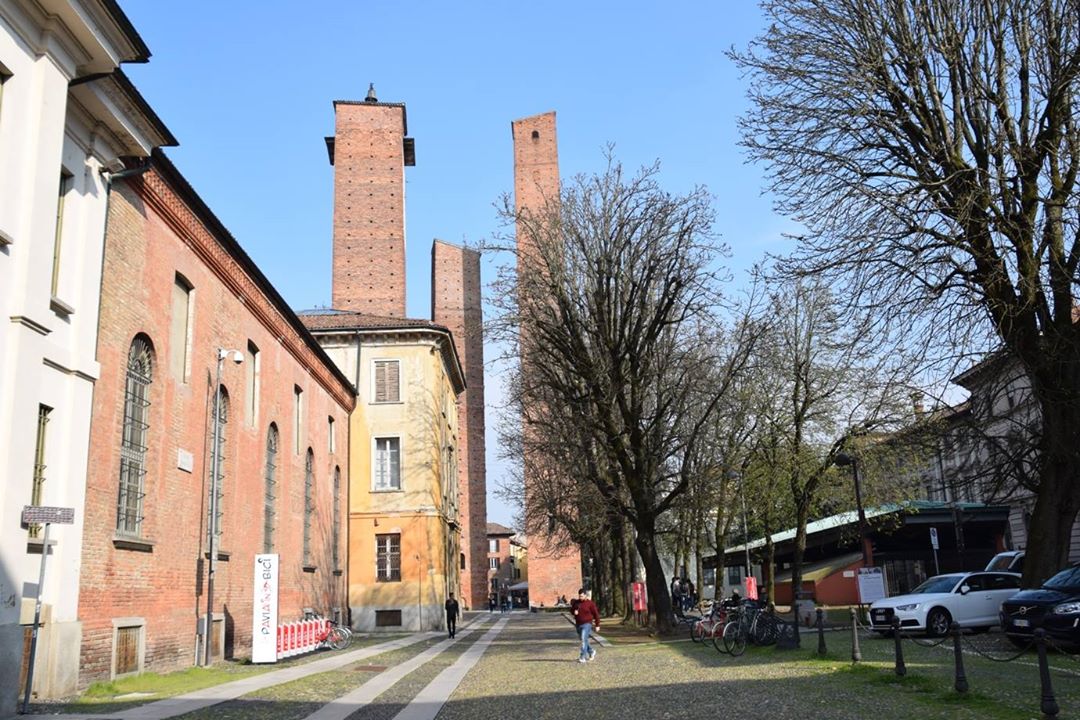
153,188
45,34
443,339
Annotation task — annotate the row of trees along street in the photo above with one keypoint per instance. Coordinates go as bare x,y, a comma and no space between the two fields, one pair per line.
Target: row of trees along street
929,148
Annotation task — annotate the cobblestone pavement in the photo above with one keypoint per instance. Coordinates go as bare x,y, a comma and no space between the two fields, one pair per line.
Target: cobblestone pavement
525,666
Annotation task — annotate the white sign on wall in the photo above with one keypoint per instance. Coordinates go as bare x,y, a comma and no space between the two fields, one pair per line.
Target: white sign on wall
264,614
871,585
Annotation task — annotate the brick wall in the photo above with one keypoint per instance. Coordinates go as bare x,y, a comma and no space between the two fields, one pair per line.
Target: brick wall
152,235
552,572
369,208
456,304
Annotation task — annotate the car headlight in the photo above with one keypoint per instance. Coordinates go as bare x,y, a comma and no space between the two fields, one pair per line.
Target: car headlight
908,608
1069,608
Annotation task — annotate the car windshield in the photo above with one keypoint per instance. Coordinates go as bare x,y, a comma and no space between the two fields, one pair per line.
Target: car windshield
939,584
1001,562
1067,578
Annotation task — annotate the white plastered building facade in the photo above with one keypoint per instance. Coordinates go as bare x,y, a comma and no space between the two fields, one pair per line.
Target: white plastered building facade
67,119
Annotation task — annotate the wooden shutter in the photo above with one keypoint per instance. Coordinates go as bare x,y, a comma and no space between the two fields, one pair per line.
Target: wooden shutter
387,381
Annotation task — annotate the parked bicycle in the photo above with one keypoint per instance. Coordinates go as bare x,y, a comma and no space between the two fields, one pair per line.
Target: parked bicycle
705,628
332,635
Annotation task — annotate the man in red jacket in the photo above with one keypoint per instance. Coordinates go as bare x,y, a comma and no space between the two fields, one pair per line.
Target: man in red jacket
586,617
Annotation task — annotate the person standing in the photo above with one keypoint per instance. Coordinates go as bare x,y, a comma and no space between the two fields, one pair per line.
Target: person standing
452,612
586,618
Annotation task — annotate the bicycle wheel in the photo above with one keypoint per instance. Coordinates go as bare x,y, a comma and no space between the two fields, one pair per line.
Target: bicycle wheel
735,638
717,637
697,631
337,639
764,630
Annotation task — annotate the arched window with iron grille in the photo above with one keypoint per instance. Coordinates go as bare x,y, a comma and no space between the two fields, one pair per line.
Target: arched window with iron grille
140,373
219,485
309,503
337,518
270,493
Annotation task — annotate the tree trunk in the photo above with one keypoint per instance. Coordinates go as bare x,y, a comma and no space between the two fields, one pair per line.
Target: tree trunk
802,513
655,583
719,540
699,569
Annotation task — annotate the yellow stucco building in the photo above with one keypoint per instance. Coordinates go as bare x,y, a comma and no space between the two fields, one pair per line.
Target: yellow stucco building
404,533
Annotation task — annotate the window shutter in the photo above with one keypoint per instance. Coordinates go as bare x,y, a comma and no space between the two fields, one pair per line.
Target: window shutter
387,381
380,382
392,381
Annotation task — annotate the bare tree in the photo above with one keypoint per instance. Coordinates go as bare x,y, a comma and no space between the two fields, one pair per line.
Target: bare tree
829,387
610,305
931,148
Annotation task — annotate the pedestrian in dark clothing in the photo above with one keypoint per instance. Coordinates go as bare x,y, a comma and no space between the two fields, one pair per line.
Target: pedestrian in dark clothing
586,618
492,602
452,612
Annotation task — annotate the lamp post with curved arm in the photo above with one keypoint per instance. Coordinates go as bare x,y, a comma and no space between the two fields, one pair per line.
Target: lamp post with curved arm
215,467
843,460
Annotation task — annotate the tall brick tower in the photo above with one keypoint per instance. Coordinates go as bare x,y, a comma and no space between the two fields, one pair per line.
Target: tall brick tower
369,152
455,304
552,572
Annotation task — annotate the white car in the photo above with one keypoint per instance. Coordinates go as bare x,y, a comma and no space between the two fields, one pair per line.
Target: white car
971,600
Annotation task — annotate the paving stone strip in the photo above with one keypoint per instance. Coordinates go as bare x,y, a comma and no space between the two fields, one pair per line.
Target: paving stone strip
426,705
362,696
206,697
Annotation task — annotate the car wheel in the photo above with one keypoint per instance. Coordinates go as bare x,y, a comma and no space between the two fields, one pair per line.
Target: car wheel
937,622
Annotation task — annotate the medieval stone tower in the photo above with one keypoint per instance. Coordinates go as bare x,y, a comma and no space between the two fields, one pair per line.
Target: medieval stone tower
455,304
370,151
552,572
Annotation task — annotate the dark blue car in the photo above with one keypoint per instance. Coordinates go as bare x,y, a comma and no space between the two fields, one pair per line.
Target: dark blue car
1055,607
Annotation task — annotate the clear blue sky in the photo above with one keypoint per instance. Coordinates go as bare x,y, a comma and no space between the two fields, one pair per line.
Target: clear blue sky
247,87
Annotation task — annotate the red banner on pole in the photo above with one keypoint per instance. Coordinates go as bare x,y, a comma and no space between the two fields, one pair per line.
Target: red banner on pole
751,588
637,592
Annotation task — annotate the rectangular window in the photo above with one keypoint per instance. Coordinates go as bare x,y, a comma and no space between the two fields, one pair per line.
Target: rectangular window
387,381
298,418
387,618
388,558
331,441
493,544
251,381
387,464
38,486
180,329
67,182
493,563
734,575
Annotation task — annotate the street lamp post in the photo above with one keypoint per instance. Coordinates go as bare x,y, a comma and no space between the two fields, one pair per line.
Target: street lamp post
215,461
843,459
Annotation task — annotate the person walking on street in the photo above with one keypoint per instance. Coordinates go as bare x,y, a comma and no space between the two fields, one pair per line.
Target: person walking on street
452,612
586,618
491,603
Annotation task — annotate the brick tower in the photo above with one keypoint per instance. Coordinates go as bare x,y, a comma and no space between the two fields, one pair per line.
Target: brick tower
552,572
369,152
455,304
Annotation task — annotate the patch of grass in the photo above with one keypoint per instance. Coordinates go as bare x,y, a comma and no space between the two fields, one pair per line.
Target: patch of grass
169,684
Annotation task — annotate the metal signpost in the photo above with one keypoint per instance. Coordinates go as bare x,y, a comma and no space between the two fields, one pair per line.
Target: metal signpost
934,544
34,515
